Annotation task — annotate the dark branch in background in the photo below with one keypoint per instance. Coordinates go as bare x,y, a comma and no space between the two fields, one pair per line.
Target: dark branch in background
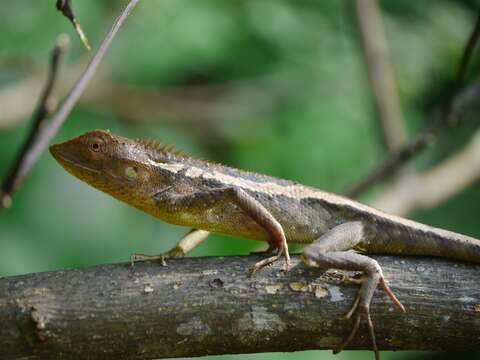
428,134
380,74
45,107
46,133
411,191
208,306
462,69
65,6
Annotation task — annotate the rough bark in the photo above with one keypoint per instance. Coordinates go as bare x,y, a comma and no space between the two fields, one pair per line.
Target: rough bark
208,306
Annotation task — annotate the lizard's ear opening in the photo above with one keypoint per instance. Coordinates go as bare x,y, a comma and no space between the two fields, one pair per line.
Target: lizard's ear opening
131,172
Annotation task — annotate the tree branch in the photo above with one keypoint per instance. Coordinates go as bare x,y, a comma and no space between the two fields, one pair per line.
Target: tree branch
44,108
41,140
208,306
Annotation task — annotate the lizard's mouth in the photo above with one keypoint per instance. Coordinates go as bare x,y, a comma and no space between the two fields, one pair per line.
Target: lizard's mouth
67,163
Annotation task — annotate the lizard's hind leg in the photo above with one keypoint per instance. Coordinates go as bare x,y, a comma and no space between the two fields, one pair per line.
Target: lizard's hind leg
330,251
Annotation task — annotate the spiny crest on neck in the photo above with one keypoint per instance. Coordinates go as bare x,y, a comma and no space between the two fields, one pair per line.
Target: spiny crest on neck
166,149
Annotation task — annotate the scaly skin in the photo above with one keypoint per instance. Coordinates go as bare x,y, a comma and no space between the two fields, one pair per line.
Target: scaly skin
208,197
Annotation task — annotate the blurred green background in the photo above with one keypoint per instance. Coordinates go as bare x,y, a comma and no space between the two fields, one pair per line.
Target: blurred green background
274,86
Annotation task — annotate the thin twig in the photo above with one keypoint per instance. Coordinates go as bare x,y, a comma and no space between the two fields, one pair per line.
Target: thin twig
43,110
65,6
48,132
427,135
380,75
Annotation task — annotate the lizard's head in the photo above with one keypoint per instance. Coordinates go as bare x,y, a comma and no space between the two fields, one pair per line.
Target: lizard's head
108,162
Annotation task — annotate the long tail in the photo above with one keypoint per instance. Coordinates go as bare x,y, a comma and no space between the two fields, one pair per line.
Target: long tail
412,238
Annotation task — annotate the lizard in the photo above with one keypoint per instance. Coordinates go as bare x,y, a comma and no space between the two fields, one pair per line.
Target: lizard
210,197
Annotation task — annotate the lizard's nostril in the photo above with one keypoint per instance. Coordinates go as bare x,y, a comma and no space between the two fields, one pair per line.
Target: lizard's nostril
53,149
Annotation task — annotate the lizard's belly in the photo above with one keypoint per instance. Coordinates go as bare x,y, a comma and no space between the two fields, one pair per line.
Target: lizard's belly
299,226
222,220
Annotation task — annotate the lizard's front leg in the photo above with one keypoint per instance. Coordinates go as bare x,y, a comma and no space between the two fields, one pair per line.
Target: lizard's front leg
186,244
330,251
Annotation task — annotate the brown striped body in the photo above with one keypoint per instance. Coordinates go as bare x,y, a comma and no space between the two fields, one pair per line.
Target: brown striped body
134,171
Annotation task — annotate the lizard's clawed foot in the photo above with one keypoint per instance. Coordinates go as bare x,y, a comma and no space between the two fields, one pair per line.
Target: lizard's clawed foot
383,284
356,322
176,252
270,260
362,306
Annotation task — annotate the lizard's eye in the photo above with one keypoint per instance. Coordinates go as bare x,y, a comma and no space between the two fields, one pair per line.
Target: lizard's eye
96,145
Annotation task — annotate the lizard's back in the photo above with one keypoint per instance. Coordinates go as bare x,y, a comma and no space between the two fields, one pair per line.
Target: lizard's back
306,213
